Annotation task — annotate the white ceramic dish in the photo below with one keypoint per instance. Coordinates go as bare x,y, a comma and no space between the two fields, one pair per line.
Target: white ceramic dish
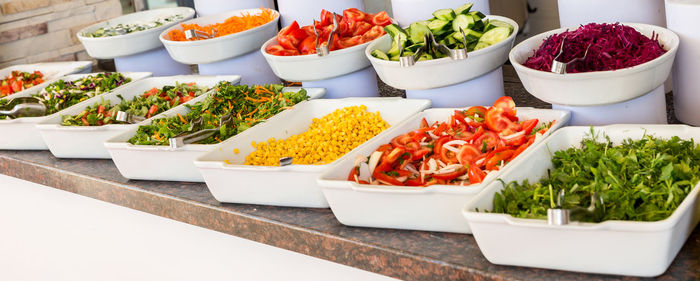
433,208
294,185
336,63
441,72
25,135
130,43
150,162
88,142
219,48
595,88
51,70
611,247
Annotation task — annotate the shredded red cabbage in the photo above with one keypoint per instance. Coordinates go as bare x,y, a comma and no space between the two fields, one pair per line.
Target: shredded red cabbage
613,46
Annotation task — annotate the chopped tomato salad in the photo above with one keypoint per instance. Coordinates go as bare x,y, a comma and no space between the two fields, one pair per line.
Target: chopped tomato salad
19,81
460,151
355,27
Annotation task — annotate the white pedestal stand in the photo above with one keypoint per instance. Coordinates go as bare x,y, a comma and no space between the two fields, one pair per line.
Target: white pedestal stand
252,67
483,90
684,19
210,7
647,109
305,11
361,83
157,61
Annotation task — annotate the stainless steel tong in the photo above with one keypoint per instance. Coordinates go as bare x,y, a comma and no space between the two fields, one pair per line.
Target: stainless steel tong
23,107
199,135
193,33
558,66
429,44
123,116
321,49
561,216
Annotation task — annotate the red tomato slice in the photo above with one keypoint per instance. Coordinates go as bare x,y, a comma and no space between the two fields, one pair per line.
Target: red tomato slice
380,176
449,176
493,162
373,33
308,46
516,141
476,175
350,41
479,111
424,123
16,86
490,138
381,19
528,125
353,15
353,172
272,49
287,53
414,182
360,28
394,155
437,145
288,42
506,103
468,154
402,140
326,17
448,156
418,154
498,122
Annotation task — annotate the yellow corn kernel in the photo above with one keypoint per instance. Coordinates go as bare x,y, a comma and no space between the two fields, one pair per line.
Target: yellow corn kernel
236,151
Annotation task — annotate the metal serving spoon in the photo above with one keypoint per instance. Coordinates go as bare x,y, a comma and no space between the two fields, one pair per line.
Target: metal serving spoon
23,107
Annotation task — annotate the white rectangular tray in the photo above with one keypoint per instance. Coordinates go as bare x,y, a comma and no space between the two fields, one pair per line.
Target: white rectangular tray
432,208
155,162
88,141
293,185
611,247
51,70
23,131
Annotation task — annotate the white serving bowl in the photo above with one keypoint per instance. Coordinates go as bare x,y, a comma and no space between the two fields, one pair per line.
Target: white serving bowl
293,185
219,48
442,72
88,141
51,71
25,134
336,63
160,162
600,87
610,247
131,43
432,208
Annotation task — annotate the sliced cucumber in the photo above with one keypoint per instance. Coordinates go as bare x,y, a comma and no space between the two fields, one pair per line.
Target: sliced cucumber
439,27
462,21
479,25
481,45
394,58
425,57
399,38
472,35
497,23
417,31
463,10
445,14
413,48
379,54
494,36
394,30
477,15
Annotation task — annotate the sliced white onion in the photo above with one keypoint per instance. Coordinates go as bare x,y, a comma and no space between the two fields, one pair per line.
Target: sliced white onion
412,169
357,179
538,136
432,165
360,159
480,161
365,174
374,160
464,177
512,136
449,169
424,143
433,136
402,179
450,148
457,142
442,164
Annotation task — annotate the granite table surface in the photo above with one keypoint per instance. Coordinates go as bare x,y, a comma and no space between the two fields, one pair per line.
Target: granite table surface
407,255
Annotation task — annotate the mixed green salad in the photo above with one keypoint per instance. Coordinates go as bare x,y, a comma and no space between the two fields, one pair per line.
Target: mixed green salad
639,180
446,26
63,94
150,103
248,105
121,29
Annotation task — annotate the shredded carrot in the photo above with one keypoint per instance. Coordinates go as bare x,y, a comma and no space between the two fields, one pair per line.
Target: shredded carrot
182,118
157,136
232,25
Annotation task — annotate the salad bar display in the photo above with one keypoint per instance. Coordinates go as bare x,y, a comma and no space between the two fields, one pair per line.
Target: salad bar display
618,199
18,81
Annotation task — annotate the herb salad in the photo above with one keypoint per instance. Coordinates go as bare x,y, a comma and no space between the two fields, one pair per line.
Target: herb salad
639,180
148,104
249,106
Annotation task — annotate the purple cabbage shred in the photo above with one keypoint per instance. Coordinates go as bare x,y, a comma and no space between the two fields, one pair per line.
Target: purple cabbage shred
613,46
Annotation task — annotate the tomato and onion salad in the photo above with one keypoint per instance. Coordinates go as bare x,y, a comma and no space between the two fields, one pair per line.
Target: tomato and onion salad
148,104
19,81
355,27
459,151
